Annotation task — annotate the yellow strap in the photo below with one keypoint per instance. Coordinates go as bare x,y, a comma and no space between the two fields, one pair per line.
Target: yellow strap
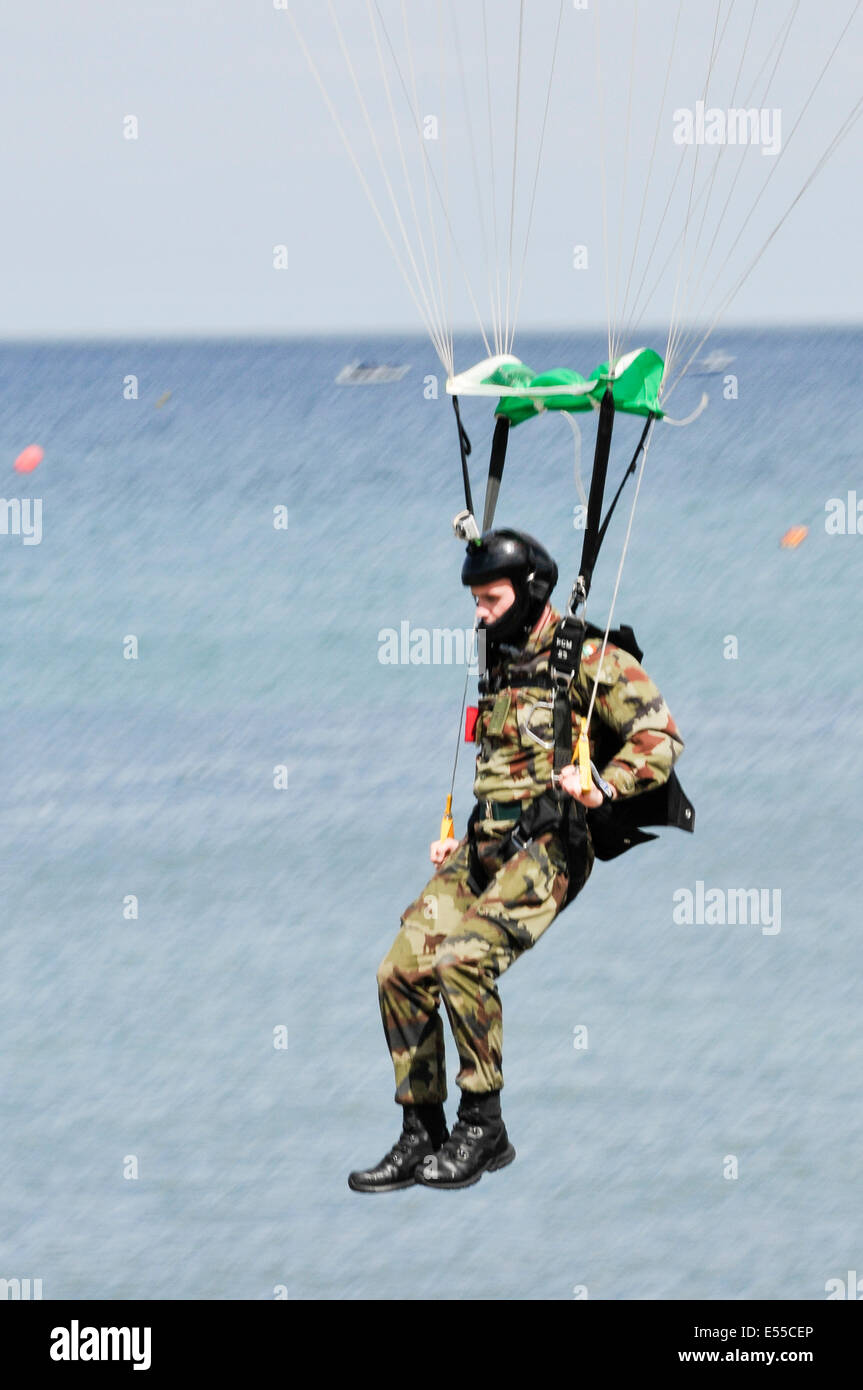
582,753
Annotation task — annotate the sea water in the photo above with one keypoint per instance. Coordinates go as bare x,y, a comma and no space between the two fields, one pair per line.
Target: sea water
218,796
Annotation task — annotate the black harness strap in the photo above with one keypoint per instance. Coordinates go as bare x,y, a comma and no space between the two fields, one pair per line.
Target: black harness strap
571,631
569,635
590,545
563,666
549,812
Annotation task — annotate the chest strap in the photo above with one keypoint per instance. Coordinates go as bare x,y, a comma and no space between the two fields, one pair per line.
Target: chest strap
564,664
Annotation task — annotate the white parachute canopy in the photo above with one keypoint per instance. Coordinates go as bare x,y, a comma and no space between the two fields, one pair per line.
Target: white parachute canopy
678,139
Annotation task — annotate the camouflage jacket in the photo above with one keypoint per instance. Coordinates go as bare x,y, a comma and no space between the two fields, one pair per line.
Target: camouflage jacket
634,740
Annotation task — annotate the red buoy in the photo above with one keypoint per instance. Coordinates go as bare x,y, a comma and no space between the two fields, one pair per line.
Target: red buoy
29,458
794,537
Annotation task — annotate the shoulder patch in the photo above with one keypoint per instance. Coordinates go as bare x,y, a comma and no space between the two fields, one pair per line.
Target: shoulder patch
588,649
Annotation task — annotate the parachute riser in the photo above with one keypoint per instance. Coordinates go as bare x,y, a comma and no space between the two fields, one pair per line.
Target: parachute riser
593,543
464,524
602,450
464,449
569,637
592,538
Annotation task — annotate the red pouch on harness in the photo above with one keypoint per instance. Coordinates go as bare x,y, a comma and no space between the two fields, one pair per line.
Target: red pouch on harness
471,715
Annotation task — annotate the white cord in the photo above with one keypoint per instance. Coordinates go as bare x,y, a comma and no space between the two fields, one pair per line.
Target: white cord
619,572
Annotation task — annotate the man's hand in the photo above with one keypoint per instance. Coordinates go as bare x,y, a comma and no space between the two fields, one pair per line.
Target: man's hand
442,849
570,779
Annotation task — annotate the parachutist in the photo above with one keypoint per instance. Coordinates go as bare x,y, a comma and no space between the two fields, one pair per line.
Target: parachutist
529,849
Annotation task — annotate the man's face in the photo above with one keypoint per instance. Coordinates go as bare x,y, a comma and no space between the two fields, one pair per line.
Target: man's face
492,600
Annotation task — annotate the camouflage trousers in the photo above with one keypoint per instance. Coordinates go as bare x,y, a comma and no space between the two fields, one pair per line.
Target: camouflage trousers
453,945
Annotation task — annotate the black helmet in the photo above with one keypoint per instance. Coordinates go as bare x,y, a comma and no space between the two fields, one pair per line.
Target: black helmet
516,556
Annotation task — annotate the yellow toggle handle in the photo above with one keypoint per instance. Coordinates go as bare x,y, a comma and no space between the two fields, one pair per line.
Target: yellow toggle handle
447,830
582,753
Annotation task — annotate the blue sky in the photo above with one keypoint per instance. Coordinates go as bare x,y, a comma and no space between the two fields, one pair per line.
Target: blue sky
173,232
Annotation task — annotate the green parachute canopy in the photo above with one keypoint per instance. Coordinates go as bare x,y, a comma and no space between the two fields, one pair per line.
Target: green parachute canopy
635,380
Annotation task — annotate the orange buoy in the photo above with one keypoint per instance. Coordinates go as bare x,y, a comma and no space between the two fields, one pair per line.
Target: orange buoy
29,458
793,538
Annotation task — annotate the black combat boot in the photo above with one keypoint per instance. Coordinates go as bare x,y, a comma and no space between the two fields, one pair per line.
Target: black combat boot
478,1144
423,1131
